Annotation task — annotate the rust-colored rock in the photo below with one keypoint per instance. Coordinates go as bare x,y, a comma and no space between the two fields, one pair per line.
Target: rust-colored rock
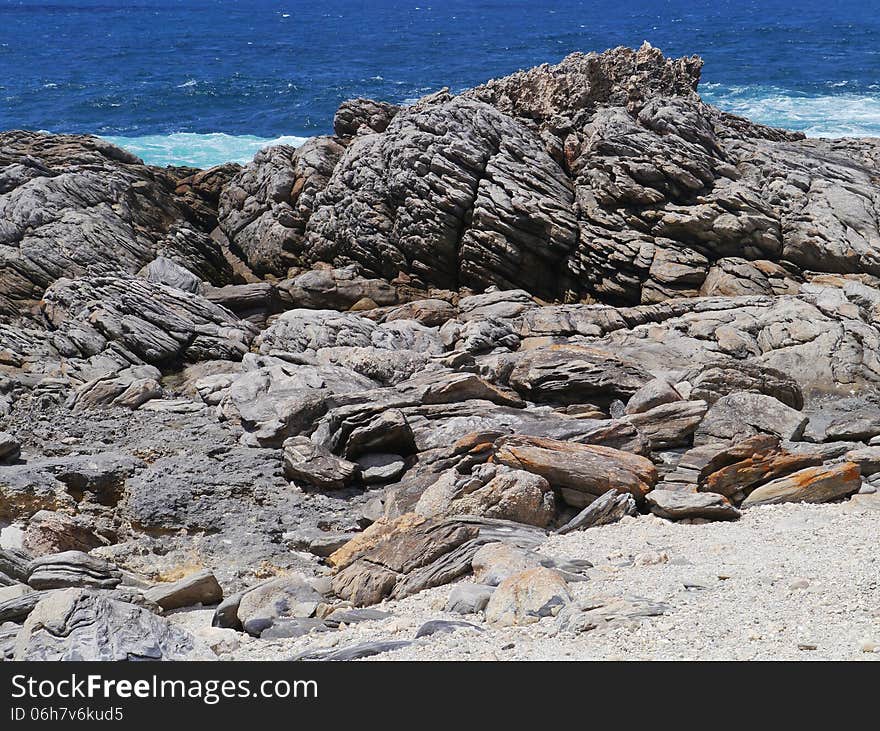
811,485
584,468
401,558
761,467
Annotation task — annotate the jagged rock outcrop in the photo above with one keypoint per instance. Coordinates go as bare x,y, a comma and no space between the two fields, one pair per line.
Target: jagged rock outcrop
73,206
604,176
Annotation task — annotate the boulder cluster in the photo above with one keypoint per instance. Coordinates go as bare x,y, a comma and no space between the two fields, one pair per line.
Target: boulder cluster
407,353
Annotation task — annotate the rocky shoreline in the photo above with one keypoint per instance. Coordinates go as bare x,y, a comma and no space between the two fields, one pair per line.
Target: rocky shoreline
498,368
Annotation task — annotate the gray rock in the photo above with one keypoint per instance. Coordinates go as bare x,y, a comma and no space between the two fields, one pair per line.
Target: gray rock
742,415
445,626
353,616
77,624
10,449
17,608
671,424
469,598
680,505
310,464
113,213
353,652
654,393
72,569
585,615
380,467
282,598
606,509
198,588
573,374
166,271
506,494
867,458
15,564
857,428
288,628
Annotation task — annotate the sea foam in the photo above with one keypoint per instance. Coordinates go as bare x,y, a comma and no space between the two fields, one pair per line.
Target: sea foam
843,114
823,115
199,150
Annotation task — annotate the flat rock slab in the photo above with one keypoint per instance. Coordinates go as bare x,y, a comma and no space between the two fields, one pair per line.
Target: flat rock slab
812,485
355,652
198,588
607,509
583,468
680,505
72,569
445,626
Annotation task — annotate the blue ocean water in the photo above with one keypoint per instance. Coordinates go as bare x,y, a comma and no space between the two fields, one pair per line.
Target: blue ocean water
204,81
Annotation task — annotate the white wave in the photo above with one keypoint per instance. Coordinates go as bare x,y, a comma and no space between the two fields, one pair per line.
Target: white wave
199,150
830,115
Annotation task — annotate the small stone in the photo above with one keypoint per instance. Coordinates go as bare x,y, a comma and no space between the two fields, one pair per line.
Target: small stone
445,626
650,558
869,646
469,598
380,467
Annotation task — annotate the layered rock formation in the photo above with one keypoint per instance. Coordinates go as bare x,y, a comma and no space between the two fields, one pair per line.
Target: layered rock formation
410,351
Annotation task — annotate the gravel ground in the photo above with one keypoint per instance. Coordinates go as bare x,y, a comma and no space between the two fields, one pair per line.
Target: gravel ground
785,582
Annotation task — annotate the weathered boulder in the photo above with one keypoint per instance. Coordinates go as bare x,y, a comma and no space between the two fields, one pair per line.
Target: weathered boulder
403,557
363,116
740,415
604,510
284,597
50,532
200,587
853,428
78,205
166,271
671,424
469,598
310,464
502,493
810,485
574,374
495,562
679,505
527,597
264,209
10,449
76,624
137,322
653,393
581,471
867,458
72,569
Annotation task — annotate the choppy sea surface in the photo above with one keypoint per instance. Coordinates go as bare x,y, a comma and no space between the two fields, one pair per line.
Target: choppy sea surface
200,82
